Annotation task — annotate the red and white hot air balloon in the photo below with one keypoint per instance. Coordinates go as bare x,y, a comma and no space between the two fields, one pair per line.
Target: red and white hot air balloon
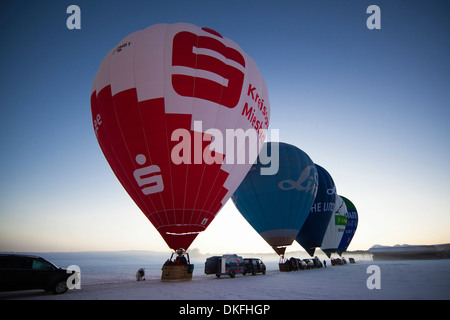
161,101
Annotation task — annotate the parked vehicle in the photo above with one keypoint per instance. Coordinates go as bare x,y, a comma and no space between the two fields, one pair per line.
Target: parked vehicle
302,265
309,263
228,264
293,264
254,266
336,262
25,272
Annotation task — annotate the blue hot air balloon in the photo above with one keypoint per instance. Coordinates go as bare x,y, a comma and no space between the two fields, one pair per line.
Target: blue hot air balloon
277,205
350,228
315,226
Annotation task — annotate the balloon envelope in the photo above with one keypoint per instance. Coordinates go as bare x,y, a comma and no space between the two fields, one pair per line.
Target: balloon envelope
277,205
161,103
315,226
335,228
350,228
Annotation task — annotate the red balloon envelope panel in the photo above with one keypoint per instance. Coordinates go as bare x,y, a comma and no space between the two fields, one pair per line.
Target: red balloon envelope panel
169,104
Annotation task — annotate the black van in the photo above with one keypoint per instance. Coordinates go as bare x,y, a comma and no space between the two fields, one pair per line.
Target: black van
25,272
254,266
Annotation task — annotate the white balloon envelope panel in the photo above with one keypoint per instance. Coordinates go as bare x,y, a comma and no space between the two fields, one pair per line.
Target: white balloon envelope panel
336,227
163,101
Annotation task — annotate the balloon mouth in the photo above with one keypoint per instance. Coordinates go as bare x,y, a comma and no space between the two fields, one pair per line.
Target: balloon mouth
279,237
180,236
279,250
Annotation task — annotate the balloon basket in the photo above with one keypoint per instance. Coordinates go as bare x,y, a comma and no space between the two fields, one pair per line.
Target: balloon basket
284,267
177,272
283,264
179,269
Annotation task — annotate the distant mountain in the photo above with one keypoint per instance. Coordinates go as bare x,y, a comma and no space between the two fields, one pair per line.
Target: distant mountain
410,252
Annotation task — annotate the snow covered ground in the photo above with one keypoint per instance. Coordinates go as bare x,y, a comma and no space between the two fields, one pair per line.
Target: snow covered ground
428,279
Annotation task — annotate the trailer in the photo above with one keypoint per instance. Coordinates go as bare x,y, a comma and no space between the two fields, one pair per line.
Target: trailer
228,264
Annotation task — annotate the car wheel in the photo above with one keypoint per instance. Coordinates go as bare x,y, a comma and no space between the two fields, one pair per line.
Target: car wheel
232,274
218,275
60,287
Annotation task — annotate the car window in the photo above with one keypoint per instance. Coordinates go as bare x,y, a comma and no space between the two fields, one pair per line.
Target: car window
41,265
15,263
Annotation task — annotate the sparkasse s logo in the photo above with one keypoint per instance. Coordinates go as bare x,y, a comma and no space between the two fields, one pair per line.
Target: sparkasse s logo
206,68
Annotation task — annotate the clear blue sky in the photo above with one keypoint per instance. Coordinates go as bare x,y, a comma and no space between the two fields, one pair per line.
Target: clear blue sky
370,106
